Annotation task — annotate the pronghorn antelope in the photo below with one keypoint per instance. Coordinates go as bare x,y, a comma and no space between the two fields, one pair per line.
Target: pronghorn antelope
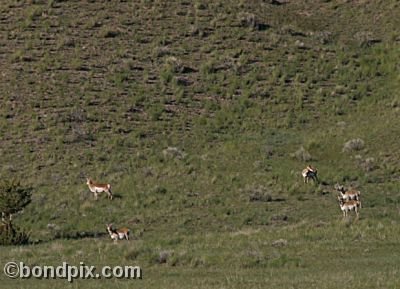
348,195
347,206
99,188
310,173
118,234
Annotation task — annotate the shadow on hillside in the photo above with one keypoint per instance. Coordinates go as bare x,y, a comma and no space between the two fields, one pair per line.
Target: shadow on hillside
71,236
79,235
117,196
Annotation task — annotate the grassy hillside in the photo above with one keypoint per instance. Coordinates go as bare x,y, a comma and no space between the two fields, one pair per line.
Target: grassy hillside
202,114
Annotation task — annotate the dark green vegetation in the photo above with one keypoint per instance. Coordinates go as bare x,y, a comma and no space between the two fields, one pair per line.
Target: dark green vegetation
13,199
202,114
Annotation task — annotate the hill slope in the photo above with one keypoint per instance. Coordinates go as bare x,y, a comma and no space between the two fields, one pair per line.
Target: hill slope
201,115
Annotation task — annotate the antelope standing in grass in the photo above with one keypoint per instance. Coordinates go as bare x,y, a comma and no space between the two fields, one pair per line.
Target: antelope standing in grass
118,234
99,188
348,195
347,206
310,173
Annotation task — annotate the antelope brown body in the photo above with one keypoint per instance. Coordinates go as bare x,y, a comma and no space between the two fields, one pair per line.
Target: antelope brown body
99,188
118,234
310,173
348,195
347,206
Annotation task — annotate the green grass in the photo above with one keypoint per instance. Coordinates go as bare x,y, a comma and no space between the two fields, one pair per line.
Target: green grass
201,116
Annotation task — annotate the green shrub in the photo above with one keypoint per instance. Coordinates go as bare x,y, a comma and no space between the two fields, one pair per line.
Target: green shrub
13,199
